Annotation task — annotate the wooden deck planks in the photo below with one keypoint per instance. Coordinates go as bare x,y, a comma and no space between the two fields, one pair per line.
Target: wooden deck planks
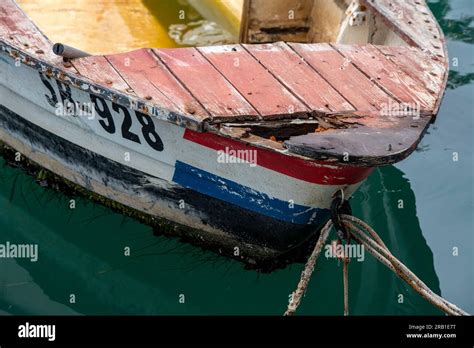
254,82
343,76
400,84
249,82
206,84
429,71
151,80
299,77
98,69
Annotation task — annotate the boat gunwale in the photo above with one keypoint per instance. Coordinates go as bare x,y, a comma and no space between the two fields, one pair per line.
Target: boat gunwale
441,38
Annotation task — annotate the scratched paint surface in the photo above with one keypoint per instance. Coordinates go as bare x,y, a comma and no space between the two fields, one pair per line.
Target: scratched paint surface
81,251
114,26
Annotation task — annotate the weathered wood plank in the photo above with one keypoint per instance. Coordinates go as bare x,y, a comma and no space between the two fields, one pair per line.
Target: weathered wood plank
210,88
268,96
387,74
299,77
99,70
428,70
343,76
17,29
431,71
413,21
151,80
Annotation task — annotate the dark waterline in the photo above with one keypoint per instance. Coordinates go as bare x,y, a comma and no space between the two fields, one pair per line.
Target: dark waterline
82,250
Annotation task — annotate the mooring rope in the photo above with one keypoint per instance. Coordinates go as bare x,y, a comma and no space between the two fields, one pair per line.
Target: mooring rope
308,270
345,276
366,236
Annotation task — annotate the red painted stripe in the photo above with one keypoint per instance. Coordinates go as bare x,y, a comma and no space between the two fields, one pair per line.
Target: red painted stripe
306,170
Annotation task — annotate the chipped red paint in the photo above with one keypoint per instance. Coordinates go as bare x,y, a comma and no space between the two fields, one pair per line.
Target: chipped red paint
99,69
341,73
149,77
297,75
385,73
216,94
254,82
311,171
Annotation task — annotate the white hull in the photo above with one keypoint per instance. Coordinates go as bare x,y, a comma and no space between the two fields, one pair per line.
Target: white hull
24,93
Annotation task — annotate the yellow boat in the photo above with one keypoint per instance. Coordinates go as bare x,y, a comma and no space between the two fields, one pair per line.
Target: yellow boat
105,26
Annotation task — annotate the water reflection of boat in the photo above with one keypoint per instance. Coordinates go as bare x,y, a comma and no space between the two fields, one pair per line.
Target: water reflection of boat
88,258
245,145
391,210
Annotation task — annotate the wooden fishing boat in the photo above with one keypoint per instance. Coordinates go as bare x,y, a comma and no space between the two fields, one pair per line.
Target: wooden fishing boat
245,145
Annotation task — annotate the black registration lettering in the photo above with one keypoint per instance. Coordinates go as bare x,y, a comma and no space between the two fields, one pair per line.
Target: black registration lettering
65,95
126,124
107,122
103,111
52,99
149,132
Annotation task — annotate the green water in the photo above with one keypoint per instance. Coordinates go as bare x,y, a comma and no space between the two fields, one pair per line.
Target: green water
81,250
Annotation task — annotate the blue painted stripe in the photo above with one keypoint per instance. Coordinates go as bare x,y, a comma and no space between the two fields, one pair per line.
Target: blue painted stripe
229,191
